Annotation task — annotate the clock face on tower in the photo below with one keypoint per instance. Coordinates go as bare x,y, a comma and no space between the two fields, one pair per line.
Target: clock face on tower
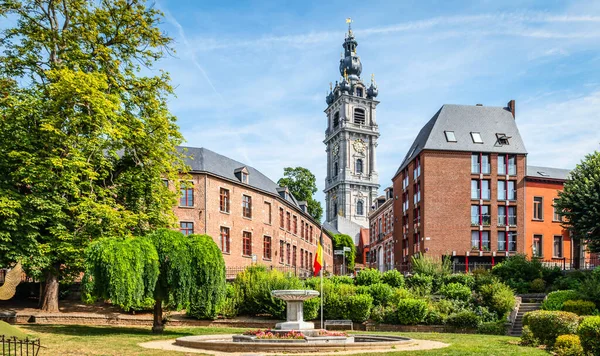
336,149
359,145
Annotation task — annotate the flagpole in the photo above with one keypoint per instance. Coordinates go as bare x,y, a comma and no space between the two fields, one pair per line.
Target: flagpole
324,265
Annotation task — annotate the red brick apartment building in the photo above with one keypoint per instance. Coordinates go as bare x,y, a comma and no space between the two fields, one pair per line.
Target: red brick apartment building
381,236
249,216
460,190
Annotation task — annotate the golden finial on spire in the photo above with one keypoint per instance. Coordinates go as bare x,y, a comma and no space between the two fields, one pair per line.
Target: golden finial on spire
372,78
345,74
349,22
330,86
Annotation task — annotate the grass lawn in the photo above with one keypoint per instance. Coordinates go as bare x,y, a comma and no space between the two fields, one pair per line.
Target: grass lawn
103,340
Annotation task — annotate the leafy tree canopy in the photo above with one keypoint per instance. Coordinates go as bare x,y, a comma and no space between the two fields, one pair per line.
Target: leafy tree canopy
303,185
85,137
579,202
342,240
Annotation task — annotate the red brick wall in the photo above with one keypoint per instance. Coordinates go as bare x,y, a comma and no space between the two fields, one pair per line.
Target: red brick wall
208,219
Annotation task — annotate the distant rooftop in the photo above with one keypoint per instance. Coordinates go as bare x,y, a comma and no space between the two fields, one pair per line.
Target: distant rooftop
547,173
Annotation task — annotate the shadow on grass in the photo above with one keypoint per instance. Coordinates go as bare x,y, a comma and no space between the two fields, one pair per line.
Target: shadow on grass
89,330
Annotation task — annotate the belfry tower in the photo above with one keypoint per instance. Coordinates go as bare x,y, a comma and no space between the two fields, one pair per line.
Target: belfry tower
351,142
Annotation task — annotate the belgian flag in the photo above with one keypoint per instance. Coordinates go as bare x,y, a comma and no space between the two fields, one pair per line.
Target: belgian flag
318,264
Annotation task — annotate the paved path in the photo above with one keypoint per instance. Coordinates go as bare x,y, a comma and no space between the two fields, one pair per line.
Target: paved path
170,345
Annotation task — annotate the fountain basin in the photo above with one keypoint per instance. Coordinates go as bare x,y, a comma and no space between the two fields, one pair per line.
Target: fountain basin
295,308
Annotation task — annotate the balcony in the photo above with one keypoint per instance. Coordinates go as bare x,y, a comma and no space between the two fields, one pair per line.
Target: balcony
512,220
501,220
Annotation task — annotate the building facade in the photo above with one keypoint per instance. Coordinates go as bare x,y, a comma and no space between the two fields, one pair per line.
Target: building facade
381,232
250,217
352,180
460,191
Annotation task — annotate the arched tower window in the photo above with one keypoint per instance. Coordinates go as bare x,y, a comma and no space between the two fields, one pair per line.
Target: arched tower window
359,116
335,210
335,169
336,119
359,207
359,166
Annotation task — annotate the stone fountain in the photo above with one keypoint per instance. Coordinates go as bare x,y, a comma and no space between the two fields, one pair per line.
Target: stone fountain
295,309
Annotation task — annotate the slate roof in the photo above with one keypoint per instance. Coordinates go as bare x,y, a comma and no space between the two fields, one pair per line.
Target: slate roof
462,120
200,159
547,173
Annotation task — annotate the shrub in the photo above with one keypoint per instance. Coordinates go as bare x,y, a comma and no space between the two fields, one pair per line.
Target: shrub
579,307
589,334
359,307
411,311
368,276
498,298
555,300
492,328
456,291
341,280
551,274
431,266
420,284
230,308
434,317
377,313
527,337
570,281
482,277
568,345
209,271
462,278
485,314
538,285
444,306
590,286
517,271
381,293
311,308
546,326
464,319
390,315
399,294
393,278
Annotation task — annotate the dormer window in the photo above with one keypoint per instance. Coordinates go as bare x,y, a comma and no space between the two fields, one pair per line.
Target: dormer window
476,136
359,116
359,92
244,177
242,174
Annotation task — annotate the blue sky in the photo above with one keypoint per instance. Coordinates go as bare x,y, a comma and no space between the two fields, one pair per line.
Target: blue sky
251,76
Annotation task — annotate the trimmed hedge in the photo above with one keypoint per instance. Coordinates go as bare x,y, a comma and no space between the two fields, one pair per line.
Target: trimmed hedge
492,328
359,307
381,293
568,345
579,307
589,334
456,291
411,311
555,300
368,276
546,325
464,319
394,278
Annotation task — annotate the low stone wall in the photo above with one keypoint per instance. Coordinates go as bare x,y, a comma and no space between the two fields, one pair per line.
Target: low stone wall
418,328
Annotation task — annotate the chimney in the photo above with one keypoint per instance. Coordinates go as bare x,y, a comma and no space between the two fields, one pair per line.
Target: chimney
511,107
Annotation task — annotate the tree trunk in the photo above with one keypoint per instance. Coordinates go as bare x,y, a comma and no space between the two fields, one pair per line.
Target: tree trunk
158,327
50,295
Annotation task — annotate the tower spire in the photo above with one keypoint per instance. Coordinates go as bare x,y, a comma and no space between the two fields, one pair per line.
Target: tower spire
349,22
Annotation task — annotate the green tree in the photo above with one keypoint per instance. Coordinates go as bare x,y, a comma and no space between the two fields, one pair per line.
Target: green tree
342,240
85,137
164,268
579,202
302,184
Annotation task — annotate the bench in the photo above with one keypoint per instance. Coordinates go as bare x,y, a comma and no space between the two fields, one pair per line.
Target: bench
339,323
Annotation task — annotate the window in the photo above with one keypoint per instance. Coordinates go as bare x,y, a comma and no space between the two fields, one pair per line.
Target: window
485,215
450,137
512,216
281,252
294,256
558,246
336,119
485,164
502,215
501,190
485,190
224,200
306,232
485,240
186,228
311,235
302,259
502,139
165,183
538,208
247,206
288,220
187,194
474,240
512,165
359,92
335,169
288,253
359,116
474,189
537,245
474,215
295,225
281,220
359,207
310,257
359,166
512,192
244,177
476,136
555,214
302,229
247,243
505,238
475,163
418,167
267,247
267,213
501,164
225,240
509,161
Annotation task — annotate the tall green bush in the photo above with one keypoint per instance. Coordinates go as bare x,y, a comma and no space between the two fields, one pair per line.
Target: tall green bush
546,325
411,311
393,278
498,298
381,293
589,288
420,284
431,266
579,307
464,319
517,271
208,266
359,307
456,291
368,276
555,300
589,334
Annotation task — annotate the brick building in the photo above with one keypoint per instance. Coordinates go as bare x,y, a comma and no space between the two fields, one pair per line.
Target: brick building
460,191
381,237
249,216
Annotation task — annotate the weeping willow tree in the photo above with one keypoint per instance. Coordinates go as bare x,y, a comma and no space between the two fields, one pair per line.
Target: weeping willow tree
163,269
